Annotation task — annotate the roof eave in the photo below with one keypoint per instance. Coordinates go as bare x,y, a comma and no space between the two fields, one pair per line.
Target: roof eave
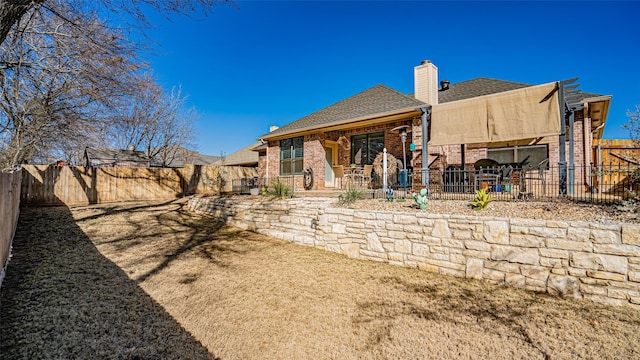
598,122
353,122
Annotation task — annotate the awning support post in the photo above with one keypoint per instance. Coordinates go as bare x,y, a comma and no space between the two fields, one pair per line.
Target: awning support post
569,100
562,143
426,112
572,165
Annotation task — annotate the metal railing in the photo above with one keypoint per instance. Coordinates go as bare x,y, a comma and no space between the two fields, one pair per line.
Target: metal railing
591,183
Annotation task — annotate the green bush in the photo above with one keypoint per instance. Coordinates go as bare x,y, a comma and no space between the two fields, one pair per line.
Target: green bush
481,200
280,190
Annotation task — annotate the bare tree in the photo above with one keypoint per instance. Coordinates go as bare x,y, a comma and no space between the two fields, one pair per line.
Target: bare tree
59,81
66,78
633,124
156,122
130,11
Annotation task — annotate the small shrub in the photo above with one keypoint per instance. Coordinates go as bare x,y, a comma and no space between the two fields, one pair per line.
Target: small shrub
280,190
481,200
351,195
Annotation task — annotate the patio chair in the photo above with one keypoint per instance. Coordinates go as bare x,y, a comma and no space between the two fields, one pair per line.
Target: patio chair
487,173
366,175
535,173
338,173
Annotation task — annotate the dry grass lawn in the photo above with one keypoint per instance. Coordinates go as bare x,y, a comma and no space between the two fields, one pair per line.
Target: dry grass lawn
165,283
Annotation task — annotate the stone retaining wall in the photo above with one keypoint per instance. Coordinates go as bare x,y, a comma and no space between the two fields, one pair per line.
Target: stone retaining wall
592,261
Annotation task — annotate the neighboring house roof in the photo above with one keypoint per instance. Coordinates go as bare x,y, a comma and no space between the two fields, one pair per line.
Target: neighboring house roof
94,153
185,156
376,100
246,156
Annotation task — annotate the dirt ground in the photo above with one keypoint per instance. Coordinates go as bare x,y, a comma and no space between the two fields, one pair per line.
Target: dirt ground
148,280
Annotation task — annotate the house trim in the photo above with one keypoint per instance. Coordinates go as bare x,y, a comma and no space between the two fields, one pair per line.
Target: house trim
367,120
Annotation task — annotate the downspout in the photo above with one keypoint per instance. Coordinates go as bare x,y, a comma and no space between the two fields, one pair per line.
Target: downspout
426,113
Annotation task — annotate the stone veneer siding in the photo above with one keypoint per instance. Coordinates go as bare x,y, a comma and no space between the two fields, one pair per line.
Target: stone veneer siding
569,258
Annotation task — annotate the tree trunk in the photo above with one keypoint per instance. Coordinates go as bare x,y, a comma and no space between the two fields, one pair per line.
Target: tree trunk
11,11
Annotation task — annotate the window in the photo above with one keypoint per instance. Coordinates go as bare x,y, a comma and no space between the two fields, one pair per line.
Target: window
516,154
365,148
291,154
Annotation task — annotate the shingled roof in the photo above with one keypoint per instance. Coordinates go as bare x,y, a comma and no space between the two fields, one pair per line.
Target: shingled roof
382,99
477,87
376,100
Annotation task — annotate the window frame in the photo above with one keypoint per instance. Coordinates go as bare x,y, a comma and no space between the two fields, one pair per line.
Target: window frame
517,156
295,155
368,138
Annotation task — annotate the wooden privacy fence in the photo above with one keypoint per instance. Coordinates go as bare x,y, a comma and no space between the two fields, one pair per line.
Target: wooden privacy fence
614,161
69,185
9,210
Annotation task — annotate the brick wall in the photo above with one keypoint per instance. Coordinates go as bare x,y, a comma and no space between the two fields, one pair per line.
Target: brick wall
315,158
392,141
262,164
315,153
577,259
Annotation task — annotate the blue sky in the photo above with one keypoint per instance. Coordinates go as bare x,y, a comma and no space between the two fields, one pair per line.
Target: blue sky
260,63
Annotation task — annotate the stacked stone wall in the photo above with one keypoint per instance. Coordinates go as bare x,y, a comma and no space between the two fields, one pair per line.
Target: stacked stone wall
583,260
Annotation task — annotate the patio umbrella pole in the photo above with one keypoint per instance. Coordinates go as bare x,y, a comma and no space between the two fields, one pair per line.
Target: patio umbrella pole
384,170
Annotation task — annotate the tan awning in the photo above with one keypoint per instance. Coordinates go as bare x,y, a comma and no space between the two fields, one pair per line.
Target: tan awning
510,115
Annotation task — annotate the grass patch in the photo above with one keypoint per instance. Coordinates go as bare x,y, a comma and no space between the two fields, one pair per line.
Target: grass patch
149,280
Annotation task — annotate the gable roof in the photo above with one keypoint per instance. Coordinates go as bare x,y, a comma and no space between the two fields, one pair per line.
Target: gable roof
185,156
246,156
376,100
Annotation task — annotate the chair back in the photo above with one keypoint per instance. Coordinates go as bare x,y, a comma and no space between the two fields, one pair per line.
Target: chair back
506,172
542,166
485,164
338,171
367,171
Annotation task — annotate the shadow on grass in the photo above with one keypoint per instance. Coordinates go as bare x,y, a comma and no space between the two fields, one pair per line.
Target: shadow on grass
62,299
162,233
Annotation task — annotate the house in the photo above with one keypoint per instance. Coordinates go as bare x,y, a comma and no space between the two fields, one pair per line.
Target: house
105,157
467,121
247,157
181,157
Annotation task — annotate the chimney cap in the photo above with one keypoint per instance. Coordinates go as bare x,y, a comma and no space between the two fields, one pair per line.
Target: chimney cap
423,62
444,84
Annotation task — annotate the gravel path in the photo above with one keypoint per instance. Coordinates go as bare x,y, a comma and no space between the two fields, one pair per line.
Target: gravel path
545,210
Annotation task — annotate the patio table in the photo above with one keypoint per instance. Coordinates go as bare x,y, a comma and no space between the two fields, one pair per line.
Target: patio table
354,173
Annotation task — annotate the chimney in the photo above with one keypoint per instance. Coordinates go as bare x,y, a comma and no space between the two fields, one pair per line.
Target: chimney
425,78
273,128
